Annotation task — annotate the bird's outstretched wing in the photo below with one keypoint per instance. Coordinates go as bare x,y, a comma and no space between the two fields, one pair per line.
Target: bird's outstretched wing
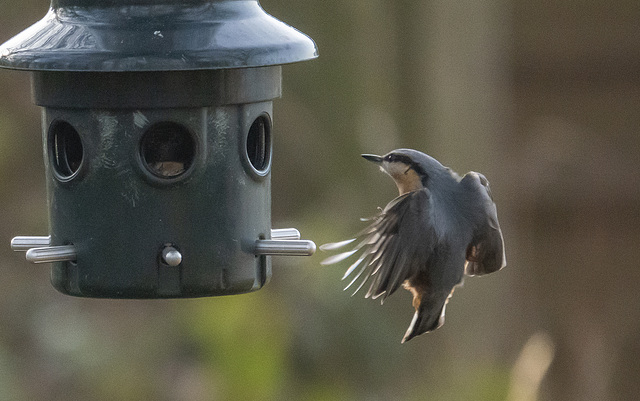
390,250
485,253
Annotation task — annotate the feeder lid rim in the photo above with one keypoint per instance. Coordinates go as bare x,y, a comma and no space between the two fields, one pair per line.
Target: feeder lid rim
187,36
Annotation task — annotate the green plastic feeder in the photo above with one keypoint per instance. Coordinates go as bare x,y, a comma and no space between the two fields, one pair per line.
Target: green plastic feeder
157,131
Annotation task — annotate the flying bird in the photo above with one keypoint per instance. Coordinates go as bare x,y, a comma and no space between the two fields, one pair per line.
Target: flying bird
440,227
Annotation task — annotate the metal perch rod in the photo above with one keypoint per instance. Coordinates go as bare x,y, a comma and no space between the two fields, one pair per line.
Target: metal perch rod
283,242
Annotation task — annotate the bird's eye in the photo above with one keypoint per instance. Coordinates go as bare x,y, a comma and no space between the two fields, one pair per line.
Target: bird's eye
390,158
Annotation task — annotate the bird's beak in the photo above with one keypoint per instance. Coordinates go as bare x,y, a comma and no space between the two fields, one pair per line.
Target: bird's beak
373,158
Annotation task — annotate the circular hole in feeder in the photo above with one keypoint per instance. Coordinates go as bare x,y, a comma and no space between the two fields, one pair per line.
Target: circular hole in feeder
65,149
259,144
167,149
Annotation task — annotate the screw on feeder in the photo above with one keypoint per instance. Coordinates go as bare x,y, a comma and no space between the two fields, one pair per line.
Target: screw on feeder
171,256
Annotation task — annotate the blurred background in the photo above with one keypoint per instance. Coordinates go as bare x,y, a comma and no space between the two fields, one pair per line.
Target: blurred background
543,97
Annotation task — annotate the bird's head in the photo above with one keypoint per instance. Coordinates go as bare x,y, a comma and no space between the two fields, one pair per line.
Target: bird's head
410,169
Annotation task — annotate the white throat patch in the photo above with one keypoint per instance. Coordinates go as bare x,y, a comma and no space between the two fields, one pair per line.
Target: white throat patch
406,178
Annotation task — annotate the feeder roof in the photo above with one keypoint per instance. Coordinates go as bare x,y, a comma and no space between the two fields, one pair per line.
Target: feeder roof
155,35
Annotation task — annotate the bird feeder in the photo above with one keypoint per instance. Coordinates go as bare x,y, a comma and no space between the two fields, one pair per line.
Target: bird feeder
157,134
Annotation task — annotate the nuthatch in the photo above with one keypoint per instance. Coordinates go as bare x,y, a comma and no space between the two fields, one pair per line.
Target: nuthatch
441,227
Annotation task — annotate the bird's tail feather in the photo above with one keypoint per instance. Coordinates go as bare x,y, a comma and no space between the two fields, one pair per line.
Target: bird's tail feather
428,317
